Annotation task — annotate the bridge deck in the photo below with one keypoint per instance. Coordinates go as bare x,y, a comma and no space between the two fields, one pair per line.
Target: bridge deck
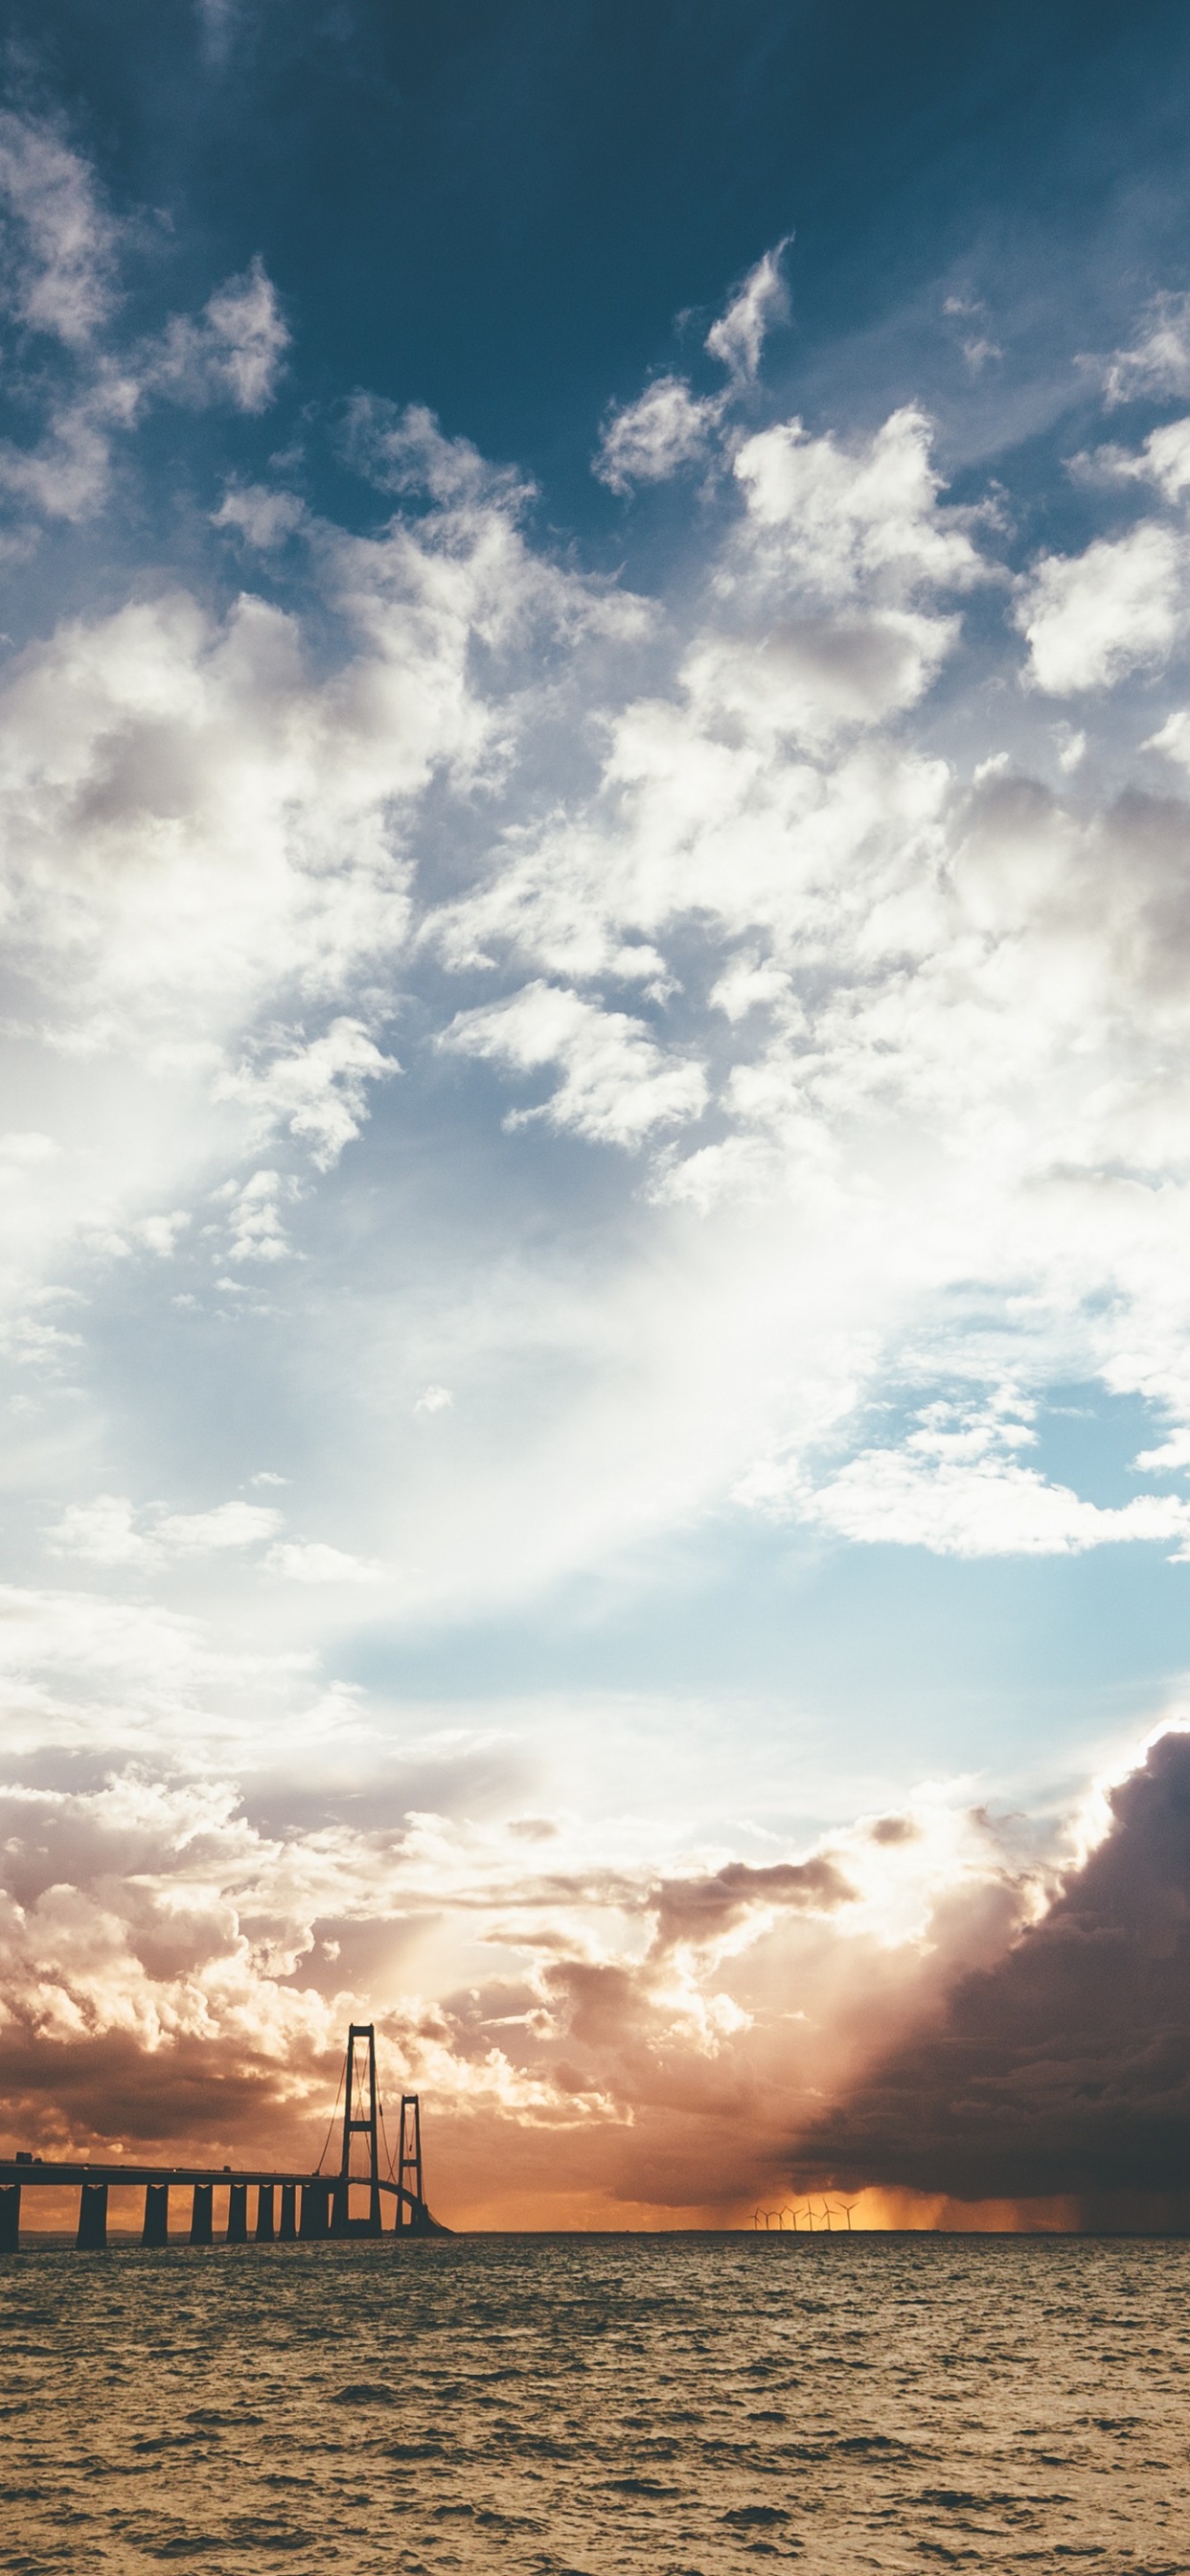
41,2172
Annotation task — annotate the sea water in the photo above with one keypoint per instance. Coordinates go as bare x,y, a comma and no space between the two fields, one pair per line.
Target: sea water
601,2404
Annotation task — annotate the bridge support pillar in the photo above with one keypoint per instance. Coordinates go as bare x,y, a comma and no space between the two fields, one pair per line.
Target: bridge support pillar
410,2209
92,2228
314,2218
237,2214
340,2215
201,2231
288,2228
10,2217
156,2227
264,2213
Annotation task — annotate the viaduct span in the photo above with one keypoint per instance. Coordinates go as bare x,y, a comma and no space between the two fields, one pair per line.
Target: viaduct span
289,2206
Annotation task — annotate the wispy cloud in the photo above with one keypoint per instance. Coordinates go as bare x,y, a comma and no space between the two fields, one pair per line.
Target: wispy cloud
737,339
648,440
1159,360
617,1083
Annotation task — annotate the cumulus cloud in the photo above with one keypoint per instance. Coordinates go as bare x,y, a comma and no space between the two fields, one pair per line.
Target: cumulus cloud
958,1486
865,523
86,385
60,240
821,618
233,353
666,428
1119,607
67,474
1159,361
263,518
317,1092
111,1532
312,1561
1065,2067
617,1083
256,1230
196,746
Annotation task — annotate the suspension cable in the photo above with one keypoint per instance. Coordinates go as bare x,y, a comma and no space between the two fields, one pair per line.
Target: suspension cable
392,2177
334,2115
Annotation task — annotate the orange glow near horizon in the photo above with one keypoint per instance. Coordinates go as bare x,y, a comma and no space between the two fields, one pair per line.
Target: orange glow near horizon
875,2211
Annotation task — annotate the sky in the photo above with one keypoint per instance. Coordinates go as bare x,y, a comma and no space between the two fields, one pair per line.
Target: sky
595,1277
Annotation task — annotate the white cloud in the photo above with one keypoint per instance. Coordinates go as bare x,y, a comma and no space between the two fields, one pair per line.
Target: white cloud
407,452
256,1231
980,353
434,1399
316,1092
957,1486
161,1234
311,1561
233,1525
726,798
650,439
1173,737
67,474
208,868
232,354
111,1532
617,1083
1159,362
1164,459
848,525
737,338
256,804
104,1532
1120,606
668,426
1071,748
60,240
61,268
262,517
1170,1456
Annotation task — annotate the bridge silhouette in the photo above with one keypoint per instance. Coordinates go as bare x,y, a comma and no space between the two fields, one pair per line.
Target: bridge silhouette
311,2205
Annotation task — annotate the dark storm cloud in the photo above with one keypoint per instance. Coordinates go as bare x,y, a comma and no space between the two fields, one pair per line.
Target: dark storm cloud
197,2098
699,1909
1066,2067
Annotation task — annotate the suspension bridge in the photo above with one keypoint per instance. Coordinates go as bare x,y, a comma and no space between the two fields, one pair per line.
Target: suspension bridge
289,2207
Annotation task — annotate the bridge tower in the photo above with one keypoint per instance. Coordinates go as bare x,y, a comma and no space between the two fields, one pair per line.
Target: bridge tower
409,2164
359,2119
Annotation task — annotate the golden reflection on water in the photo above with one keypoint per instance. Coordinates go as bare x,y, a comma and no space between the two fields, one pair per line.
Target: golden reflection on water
673,2405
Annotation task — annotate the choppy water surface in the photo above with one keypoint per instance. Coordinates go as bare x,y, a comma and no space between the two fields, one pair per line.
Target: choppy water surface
668,2405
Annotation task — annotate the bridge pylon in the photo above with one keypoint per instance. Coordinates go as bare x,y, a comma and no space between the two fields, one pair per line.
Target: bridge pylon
410,2211
360,2119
